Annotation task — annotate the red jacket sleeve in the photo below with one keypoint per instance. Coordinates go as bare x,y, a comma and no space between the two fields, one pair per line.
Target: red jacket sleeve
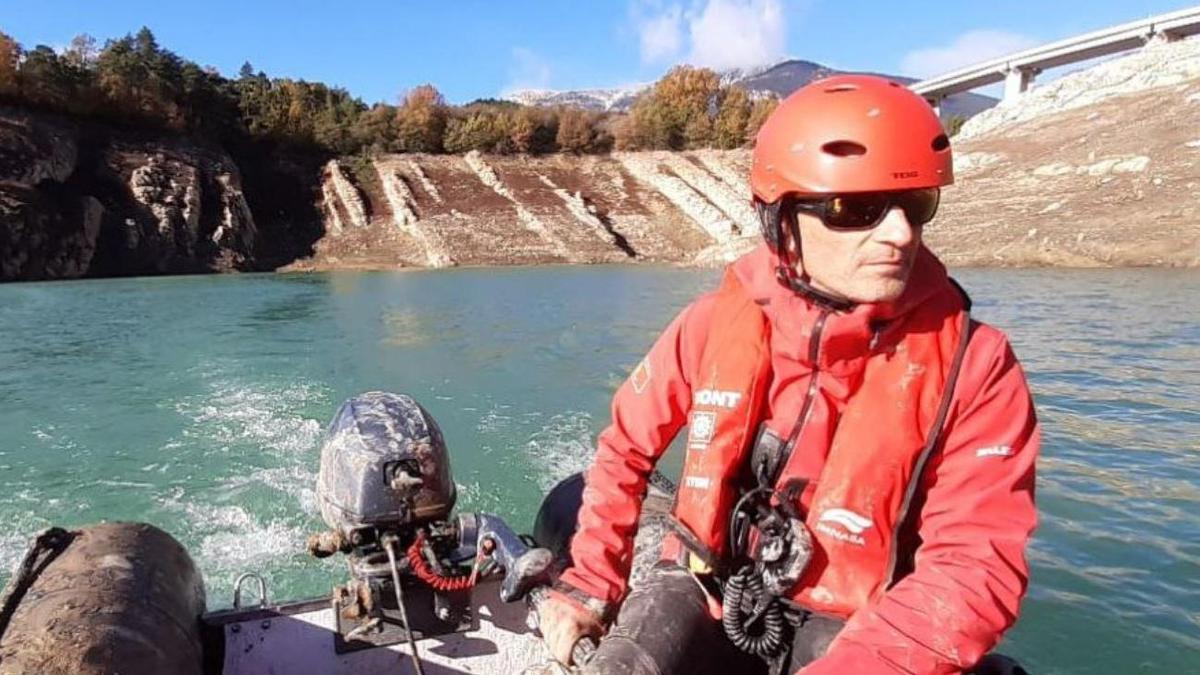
647,411
970,571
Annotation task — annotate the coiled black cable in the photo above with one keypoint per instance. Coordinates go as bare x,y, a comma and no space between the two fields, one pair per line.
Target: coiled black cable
744,589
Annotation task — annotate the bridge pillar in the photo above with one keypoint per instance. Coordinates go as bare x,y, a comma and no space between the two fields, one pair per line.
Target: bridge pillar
1017,82
1155,37
935,102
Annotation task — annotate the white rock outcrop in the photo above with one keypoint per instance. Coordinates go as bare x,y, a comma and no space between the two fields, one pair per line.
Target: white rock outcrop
582,212
329,202
1103,167
338,190
236,230
1156,65
966,162
404,214
487,176
718,192
645,168
170,191
429,186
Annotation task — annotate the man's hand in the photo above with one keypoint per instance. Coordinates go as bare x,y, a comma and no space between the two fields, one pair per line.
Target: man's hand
563,622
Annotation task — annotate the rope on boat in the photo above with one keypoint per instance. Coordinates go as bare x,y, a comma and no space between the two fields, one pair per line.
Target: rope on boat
439,582
46,546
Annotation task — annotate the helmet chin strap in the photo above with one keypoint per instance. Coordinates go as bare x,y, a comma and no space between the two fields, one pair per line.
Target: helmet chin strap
788,275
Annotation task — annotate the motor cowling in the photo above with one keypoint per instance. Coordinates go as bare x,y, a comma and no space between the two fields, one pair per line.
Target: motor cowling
384,464
386,491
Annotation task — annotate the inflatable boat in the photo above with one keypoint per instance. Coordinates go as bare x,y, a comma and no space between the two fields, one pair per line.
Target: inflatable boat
428,591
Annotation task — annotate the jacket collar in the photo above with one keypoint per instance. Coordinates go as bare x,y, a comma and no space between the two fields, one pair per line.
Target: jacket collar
847,338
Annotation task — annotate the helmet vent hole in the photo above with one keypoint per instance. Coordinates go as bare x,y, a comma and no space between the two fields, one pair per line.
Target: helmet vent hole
839,88
941,143
844,149
893,84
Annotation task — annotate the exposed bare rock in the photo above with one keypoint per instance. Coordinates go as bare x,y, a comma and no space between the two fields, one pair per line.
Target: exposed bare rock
399,197
425,182
508,210
172,228
48,243
1099,168
342,199
170,191
1098,180
732,168
33,150
587,215
1109,183
487,175
237,231
329,205
967,162
719,193
1159,64
646,167
81,201
403,204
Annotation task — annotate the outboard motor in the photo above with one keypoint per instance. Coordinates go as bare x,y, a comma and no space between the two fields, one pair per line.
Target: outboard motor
386,491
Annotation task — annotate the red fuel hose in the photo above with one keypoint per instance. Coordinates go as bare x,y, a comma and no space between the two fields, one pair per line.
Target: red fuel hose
439,582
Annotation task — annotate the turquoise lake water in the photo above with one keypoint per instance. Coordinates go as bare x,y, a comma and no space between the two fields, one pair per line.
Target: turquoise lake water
198,404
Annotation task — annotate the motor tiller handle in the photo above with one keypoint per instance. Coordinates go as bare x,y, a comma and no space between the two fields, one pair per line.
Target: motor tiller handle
584,648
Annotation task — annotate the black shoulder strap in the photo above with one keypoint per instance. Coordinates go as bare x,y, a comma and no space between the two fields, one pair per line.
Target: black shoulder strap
932,442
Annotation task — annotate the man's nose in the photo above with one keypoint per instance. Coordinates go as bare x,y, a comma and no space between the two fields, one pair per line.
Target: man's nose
895,229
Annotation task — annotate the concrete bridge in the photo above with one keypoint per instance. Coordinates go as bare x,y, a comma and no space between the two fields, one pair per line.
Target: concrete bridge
1018,70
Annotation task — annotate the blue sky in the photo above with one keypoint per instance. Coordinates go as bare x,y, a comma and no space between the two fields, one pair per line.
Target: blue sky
471,49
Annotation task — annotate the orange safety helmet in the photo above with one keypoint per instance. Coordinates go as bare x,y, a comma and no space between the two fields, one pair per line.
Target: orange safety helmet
850,133
842,134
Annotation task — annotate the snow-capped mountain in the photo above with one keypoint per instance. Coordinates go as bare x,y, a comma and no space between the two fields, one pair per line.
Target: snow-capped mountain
780,78
617,98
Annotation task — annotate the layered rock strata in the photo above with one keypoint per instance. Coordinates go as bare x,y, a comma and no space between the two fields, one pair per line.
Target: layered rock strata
1100,167
75,202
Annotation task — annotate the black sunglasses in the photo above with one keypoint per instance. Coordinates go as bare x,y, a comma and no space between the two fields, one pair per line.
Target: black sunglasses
864,210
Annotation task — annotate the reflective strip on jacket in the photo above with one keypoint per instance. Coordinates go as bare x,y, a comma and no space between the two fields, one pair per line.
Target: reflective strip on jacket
974,511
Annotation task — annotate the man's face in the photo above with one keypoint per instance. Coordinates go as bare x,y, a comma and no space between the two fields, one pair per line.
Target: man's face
863,266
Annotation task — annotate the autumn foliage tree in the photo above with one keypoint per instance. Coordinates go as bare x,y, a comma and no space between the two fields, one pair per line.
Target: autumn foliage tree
675,114
133,80
759,112
729,129
575,132
10,61
421,120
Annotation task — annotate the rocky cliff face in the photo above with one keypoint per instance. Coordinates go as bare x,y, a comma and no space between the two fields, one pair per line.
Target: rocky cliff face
1101,167
435,211
79,200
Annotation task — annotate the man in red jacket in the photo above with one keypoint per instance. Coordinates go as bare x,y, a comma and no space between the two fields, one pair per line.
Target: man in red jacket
877,444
